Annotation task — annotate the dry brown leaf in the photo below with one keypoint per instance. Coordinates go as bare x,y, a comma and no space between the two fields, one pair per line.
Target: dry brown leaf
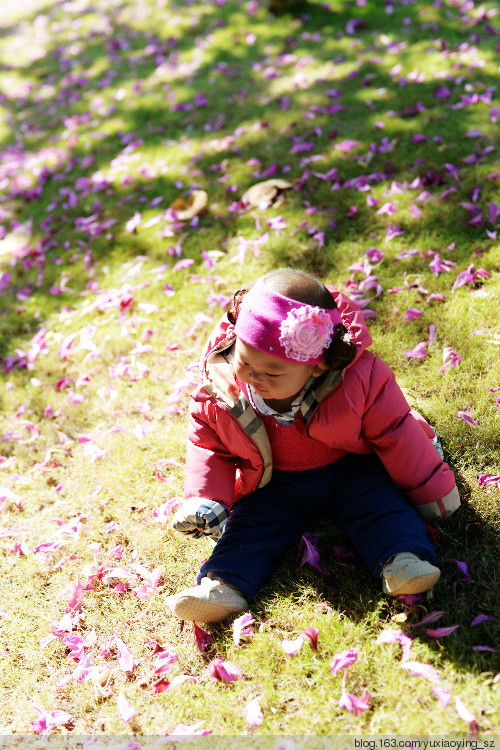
263,193
196,203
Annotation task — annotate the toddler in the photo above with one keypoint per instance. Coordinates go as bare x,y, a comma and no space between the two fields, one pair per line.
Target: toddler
295,420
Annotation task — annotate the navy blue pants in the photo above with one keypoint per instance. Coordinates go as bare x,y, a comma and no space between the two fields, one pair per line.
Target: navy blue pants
356,492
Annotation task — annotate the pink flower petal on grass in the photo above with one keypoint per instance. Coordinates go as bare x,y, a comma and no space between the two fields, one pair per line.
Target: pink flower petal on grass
125,710
242,627
463,568
312,634
466,715
465,415
397,636
224,671
441,632
76,596
191,730
343,659
442,694
418,352
488,479
351,702
49,719
481,618
253,713
133,223
412,313
422,670
292,647
430,618
203,639
124,658
310,552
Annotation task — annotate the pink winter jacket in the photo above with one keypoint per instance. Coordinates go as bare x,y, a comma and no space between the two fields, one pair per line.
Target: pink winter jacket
358,410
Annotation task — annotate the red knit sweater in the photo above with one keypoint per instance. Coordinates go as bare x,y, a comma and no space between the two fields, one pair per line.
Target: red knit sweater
292,448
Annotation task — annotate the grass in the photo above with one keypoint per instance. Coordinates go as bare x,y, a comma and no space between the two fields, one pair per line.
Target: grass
112,109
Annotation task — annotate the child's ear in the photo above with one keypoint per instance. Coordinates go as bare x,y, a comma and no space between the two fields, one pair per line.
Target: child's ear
320,369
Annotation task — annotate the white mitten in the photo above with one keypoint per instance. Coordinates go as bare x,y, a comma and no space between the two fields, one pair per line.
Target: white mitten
199,517
440,509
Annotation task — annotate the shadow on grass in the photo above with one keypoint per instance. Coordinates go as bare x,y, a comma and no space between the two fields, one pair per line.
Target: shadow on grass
130,56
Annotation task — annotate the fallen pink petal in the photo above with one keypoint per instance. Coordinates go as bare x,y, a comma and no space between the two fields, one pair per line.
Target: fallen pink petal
397,636
351,702
312,633
422,670
480,619
253,713
466,715
441,632
343,659
418,352
242,627
441,694
224,671
125,710
292,647
203,639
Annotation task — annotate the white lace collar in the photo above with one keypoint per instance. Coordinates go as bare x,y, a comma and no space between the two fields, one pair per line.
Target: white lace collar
282,418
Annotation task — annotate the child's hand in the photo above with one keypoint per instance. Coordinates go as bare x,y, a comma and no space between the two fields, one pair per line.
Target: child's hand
440,509
199,517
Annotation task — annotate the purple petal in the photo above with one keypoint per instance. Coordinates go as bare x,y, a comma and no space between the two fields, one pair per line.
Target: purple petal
253,713
463,569
418,352
441,632
343,659
242,627
441,694
125,710
203,639
481,618
430,618
422,670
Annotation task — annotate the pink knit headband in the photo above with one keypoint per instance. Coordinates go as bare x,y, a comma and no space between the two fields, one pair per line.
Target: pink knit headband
283,327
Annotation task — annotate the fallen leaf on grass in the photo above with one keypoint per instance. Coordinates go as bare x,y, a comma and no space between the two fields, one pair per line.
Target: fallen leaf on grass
263,193
195,204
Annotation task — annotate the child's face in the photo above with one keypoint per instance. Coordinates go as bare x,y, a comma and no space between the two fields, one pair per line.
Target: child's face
272,378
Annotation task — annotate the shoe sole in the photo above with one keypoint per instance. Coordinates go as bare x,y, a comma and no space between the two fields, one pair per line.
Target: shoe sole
417,585
192,609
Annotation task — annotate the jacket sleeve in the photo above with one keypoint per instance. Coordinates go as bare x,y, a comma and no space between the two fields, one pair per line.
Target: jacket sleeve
402,445
210,465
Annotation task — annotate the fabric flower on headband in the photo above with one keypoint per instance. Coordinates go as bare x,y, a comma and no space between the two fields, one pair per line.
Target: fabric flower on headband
306,332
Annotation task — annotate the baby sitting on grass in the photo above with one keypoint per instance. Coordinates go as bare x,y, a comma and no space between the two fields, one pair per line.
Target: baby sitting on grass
296,420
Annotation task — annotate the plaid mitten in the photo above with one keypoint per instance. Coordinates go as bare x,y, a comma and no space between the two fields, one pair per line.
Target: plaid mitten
198,517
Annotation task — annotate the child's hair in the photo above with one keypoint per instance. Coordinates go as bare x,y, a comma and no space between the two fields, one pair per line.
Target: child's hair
302,287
